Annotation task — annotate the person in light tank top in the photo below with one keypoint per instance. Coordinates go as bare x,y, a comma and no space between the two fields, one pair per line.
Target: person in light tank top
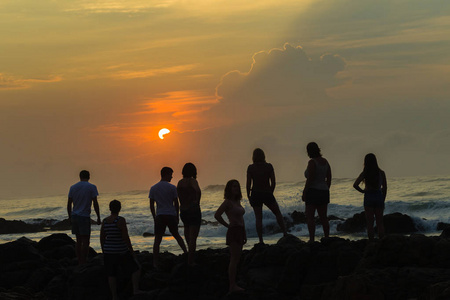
316,193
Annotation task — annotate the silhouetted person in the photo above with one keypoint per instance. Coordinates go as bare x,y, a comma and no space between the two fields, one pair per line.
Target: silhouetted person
375,190
260,187
316,193
236,236
81,196
117,249
167,214
189,194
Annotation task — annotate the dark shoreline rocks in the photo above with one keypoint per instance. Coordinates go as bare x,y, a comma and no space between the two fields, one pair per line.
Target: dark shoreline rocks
396,267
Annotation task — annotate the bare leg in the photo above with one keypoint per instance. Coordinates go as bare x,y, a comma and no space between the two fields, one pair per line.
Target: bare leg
369,221
276,211
322,212
113,287
235,255
380,224
187,233
192,243
178,238
258,222
309,212
82,248
156,244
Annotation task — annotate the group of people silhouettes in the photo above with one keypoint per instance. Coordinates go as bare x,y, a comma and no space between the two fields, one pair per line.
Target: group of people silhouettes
183,201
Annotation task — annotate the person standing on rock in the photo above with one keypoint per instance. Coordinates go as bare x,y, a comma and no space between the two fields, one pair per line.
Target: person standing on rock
189,194
117,249
236,235
164,194
260,187
81,196
316,193
375,190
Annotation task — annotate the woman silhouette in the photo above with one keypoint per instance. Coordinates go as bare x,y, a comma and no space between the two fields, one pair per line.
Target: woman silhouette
316,193
189,194
375,190
260,187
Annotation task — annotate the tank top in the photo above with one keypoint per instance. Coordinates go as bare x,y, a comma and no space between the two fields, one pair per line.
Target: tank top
114,243
318,182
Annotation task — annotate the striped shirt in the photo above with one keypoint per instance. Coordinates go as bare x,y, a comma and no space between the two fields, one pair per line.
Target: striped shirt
114,243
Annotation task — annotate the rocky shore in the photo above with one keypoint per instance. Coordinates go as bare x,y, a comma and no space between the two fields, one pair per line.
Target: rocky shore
396,267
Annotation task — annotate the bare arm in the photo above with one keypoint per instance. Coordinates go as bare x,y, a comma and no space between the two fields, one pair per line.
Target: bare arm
69,208
311,170
220,211
198,191
273,182
122,225
152,207
249,184
384,184
329,177
177,207
102,236
97,209
358,182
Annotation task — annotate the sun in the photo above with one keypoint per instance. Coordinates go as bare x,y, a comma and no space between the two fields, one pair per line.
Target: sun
162,132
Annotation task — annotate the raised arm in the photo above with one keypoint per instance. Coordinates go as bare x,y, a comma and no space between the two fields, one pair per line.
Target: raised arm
358,182
220,211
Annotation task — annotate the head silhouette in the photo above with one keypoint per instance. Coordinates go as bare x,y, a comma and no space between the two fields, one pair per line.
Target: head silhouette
230,193
371,170
189,170
115,206
84,175
258,156
166,174
313,150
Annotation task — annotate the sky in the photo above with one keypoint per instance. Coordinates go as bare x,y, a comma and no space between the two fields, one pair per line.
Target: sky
88,85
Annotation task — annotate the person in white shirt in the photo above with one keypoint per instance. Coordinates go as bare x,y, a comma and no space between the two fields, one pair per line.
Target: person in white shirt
167,213
81,196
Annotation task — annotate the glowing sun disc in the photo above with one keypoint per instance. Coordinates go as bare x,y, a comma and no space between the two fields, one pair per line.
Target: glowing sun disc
162,132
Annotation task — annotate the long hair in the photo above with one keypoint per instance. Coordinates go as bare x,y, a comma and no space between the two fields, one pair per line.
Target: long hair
229,190
189,170
371,171
258,155
313,150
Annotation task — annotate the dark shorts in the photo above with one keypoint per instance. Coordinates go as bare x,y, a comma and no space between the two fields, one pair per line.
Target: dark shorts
81,225
124,261
163,221
374,199
316,197
258,198
236,235
191,216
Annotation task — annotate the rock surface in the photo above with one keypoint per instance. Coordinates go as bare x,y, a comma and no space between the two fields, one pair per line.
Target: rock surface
396,267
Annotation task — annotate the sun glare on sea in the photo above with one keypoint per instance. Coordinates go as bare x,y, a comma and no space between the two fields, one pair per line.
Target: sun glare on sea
163,132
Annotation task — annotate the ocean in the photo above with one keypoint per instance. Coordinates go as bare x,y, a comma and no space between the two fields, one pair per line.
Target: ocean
426,199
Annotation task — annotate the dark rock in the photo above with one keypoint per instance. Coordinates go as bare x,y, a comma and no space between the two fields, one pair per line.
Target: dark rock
446,233
398,223
18,227
62,225
355,224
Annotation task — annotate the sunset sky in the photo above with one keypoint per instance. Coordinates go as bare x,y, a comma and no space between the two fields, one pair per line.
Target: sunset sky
88,85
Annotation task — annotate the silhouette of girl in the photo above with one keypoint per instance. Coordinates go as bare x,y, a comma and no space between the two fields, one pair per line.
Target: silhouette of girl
316,193
189,194
375,190
236,236
260,187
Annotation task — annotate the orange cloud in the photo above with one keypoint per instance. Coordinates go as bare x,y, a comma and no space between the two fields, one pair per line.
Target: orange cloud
8,82
152,72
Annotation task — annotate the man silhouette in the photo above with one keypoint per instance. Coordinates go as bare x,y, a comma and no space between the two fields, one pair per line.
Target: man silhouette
167,215
81,196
